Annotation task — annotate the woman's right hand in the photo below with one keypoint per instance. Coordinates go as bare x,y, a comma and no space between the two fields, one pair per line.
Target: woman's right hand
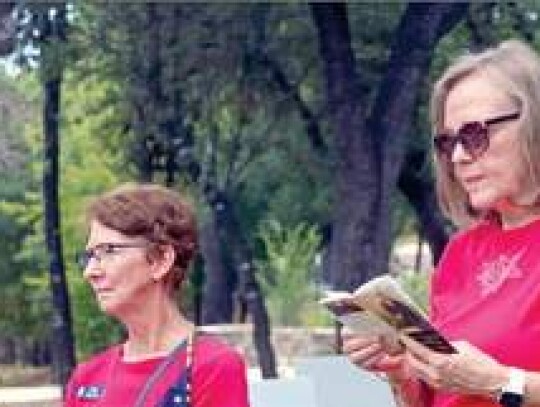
373,354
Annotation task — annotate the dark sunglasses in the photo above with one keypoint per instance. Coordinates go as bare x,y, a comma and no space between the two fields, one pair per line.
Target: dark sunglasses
103,250
473,137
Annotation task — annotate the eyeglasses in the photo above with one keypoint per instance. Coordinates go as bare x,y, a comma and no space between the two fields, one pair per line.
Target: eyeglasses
103,251
473,137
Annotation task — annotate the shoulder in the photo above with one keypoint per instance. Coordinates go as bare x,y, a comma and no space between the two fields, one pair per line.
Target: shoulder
88,372
464,247
218,370
474,232
210,350
97,362
462,241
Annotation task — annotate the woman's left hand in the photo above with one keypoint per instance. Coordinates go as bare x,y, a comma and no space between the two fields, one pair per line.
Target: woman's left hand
470,371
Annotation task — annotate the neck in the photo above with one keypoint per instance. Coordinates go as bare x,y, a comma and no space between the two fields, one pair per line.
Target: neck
155,331
513,216
520,210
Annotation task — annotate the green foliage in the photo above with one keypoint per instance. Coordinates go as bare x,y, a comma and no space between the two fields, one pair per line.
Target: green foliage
287,272
94,330
87,168
20,288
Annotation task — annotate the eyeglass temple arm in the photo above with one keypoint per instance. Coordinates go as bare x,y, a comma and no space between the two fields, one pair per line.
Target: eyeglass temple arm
510,116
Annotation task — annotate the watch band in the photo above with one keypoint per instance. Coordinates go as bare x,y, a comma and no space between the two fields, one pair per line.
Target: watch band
512,393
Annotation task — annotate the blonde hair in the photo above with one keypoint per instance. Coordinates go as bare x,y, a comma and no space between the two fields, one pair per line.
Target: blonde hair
515,68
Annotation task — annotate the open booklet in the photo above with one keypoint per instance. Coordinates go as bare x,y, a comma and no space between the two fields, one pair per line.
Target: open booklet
381,307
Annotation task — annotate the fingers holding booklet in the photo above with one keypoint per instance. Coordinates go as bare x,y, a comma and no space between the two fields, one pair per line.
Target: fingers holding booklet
381,307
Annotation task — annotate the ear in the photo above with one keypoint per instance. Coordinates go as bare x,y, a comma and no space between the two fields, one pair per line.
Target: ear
162,262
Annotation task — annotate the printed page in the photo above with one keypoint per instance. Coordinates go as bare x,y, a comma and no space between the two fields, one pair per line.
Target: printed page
382,307
352,315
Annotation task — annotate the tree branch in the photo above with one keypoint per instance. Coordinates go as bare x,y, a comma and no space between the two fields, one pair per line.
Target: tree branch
417,35
8,28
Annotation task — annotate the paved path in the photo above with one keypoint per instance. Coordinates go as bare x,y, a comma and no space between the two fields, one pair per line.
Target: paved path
43,396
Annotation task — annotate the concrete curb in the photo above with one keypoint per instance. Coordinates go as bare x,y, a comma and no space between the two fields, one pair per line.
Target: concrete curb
43,396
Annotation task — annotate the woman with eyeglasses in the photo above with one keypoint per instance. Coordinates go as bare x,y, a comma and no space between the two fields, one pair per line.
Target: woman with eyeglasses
141,241
485,291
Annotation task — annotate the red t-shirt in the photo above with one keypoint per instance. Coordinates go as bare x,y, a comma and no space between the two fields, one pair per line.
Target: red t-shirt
486,290
218,378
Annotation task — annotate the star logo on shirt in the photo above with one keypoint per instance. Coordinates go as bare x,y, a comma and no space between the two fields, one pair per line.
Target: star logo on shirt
495,272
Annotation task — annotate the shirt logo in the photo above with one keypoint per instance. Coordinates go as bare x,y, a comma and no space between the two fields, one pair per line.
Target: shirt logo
92,392
494,273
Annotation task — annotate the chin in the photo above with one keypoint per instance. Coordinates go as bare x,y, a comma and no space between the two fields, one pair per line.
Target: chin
108,307
481,206
484,202
499,205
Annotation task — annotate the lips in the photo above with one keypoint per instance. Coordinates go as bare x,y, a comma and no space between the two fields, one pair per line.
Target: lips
102,291
471,181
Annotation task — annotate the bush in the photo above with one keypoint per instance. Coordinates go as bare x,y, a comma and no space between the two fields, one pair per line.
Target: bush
287,273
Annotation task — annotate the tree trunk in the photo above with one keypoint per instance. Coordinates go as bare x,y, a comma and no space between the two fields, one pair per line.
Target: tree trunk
248,288
217,306
62,341
63,356
371,147
420,193
8,28
357,178
7,349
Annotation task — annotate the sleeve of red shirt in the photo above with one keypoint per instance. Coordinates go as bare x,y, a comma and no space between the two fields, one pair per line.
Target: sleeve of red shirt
221,382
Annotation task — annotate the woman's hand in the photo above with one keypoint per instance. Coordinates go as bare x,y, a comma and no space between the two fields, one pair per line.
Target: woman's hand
470,371
372,353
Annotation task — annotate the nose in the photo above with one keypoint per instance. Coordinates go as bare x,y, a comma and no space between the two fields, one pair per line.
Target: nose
92,268
459,153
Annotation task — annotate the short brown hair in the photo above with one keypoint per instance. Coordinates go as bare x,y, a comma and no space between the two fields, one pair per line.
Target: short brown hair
155,213
515,68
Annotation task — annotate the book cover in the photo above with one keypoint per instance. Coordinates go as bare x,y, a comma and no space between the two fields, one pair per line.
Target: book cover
382,307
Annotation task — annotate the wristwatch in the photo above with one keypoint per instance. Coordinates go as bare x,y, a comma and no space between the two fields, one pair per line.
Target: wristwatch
512,393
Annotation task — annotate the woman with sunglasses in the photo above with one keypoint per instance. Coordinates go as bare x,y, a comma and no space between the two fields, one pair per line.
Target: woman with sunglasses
485,291
141,241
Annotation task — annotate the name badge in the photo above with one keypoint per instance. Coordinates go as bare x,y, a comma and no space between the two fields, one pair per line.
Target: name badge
92,392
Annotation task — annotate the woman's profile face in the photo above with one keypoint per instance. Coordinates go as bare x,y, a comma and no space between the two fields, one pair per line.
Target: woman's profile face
498,175
117,269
